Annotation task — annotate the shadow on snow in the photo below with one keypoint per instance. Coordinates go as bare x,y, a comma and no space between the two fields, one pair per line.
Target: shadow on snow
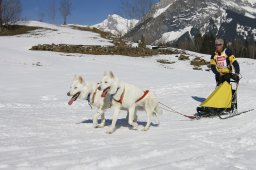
199,99
120,122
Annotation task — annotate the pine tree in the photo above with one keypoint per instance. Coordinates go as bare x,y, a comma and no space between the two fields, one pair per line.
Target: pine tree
1,14
10,11
142,43
208,44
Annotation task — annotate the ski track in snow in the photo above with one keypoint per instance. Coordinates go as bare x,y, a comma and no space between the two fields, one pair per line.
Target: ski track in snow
40,131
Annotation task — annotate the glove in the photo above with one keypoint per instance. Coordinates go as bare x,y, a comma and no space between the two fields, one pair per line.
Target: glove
235,77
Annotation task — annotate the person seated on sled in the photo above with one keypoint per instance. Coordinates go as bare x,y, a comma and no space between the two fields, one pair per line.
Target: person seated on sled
221,63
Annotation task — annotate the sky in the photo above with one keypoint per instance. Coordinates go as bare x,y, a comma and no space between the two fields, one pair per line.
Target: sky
84,12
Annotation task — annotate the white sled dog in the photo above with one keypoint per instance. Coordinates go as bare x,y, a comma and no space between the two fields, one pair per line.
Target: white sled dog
128,97
89,91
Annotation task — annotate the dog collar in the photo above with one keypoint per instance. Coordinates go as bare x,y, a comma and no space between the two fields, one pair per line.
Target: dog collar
88,98
112,95
93,97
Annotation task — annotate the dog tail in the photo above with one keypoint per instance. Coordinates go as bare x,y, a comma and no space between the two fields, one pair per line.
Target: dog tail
158,110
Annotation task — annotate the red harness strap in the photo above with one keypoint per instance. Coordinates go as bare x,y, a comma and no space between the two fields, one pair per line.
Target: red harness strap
93,97
121,99
145,93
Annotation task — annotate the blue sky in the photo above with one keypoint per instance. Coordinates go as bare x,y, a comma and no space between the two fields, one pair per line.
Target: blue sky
86,12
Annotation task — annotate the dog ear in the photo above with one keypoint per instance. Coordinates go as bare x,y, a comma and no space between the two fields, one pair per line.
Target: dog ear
111,74
75,77
81,80
106,73
83,77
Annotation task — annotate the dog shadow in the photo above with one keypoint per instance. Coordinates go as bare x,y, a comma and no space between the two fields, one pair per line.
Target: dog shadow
120,123
199,99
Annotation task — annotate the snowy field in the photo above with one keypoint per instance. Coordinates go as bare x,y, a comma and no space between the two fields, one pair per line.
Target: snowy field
40,131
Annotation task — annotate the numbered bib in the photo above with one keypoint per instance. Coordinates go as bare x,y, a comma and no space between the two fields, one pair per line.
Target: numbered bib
221,62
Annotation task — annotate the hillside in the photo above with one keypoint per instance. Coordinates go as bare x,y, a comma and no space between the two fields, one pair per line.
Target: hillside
40,131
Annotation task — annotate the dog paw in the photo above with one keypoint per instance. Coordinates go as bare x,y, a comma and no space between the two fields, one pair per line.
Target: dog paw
135,128
101,126
110,131
145,129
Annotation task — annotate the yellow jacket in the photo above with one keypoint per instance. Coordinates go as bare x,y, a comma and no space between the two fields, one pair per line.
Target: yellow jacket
222,62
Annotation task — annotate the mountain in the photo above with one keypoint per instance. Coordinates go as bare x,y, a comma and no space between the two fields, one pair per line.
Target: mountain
116,24
183,21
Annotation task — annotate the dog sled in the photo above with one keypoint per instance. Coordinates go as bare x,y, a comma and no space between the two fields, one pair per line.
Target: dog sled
222,102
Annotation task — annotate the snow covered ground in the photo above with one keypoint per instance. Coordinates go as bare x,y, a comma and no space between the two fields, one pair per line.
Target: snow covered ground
40,131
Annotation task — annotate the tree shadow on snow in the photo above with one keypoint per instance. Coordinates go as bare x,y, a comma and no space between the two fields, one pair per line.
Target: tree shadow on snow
199,99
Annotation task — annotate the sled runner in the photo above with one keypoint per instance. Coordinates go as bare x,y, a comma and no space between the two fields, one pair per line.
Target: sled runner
223,100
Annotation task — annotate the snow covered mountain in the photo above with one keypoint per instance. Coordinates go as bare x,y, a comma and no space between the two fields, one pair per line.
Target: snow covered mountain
116,24
250,1
182,20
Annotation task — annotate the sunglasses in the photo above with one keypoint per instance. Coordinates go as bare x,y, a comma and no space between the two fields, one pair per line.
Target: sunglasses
218,45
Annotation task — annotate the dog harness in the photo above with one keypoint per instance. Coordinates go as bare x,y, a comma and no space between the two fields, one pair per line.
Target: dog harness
145,93
122,97
89,98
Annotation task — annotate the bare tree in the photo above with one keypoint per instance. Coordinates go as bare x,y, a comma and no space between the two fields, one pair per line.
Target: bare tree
135,8
11,11
52,11
1,14
65,9
41,16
